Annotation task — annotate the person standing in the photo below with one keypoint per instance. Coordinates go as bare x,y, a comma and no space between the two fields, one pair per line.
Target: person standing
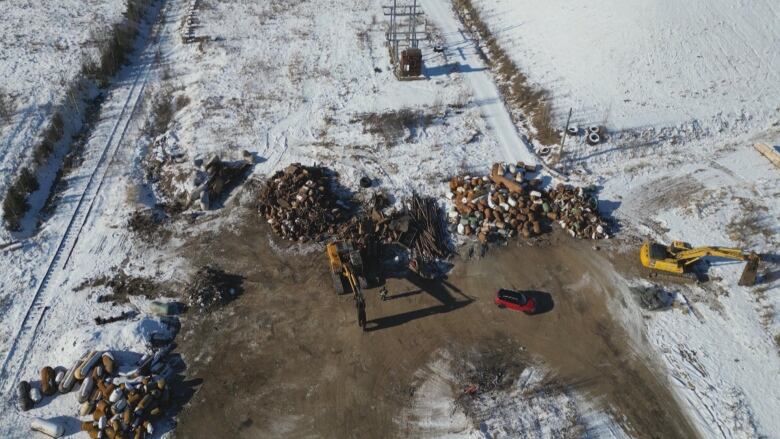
361,309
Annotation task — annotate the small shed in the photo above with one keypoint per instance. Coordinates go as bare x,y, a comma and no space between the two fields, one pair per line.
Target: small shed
411,63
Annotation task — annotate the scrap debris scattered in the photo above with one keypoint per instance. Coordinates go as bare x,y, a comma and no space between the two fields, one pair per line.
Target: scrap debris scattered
510,201
122,285
300,205
418,225
218,176
212,287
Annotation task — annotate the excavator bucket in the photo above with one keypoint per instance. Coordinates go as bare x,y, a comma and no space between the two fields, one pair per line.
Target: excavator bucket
748,278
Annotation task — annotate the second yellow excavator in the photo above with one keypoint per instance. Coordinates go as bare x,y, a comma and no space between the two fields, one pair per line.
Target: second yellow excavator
679,257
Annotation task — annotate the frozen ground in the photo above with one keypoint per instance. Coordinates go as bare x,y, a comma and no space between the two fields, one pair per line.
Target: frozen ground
634,64
325,98
533,406
690,88
280,80
333,98
42,46
44,321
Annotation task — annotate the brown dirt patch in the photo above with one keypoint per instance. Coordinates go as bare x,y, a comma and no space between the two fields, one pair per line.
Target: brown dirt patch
287,357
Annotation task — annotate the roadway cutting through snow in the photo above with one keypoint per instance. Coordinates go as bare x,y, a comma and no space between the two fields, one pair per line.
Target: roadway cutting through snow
460,47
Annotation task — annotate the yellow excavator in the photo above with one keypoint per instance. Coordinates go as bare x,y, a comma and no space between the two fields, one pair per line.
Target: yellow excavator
346,267
679,257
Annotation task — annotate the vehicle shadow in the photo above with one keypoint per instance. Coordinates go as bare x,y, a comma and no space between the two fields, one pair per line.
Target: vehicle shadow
544,301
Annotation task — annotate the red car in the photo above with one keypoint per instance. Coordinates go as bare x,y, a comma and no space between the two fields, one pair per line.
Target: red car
515,300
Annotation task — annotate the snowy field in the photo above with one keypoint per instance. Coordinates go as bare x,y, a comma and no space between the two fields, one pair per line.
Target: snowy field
45,322
684,90
533,406
329,96
42,47
635,64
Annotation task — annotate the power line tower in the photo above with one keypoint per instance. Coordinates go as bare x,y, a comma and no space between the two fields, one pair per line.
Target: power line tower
404,35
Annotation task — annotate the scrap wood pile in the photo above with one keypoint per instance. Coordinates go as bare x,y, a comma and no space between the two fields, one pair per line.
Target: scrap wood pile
419,226
113,405
509,202
299,204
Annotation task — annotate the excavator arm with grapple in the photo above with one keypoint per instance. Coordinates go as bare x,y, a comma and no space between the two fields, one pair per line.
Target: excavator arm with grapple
678,257
346,267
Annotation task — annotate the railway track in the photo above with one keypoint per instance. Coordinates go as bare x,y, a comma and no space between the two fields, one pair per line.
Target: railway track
16,356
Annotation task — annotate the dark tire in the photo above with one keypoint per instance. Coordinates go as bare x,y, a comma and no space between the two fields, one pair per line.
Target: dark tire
501,307
338,284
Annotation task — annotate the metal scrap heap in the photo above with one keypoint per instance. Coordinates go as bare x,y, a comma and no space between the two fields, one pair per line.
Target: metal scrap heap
509,202
116,405
299,204
576,211
211,287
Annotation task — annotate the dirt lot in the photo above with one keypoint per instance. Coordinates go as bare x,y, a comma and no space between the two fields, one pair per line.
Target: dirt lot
287,358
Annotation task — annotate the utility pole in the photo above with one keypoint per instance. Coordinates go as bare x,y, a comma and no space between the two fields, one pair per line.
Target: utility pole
396,35
566,130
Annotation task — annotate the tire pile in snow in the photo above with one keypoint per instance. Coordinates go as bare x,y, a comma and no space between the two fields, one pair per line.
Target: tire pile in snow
113,405
300,205
509,202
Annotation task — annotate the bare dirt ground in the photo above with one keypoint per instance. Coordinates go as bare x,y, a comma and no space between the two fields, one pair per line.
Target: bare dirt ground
287,358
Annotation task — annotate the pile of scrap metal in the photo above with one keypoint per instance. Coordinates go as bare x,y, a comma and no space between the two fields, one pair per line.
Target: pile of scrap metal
576,211
299,203
418,226
216,177
211,287
118,405
509,202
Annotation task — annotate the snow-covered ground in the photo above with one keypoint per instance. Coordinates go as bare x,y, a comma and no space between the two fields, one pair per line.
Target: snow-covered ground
533,406
321,97
42,47
685,90
331,87
289,81
44,321
635,64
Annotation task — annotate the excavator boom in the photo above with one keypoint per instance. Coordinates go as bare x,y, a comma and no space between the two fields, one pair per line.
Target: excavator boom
694,254
676,257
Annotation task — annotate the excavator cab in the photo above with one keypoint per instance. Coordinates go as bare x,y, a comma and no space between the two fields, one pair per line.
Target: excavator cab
346,267
677,258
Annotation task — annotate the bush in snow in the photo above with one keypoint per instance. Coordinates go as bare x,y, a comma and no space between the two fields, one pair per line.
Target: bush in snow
15,204
7,107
